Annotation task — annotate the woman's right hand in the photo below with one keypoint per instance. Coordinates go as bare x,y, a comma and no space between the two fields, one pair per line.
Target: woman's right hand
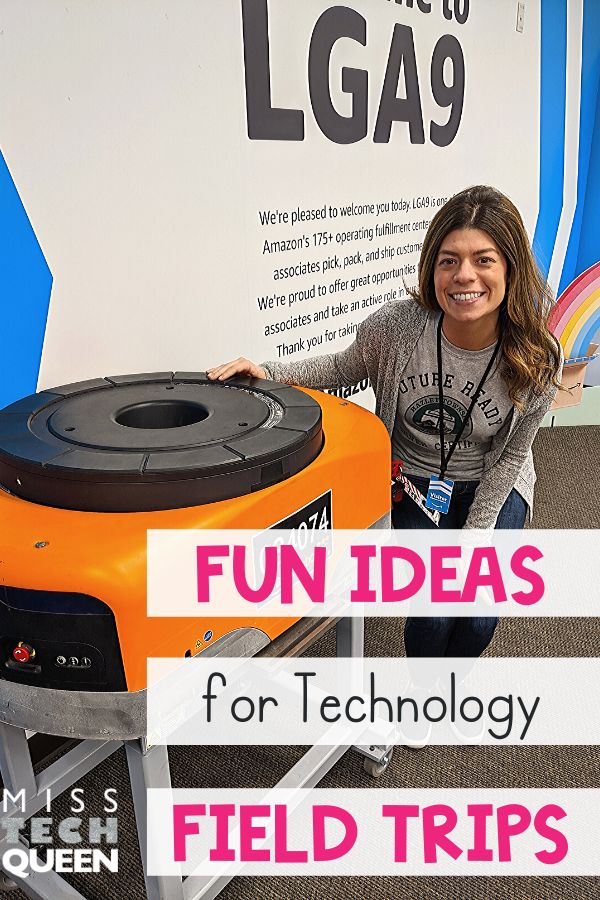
240,366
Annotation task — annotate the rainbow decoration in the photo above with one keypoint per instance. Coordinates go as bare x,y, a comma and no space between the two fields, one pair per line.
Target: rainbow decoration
575,318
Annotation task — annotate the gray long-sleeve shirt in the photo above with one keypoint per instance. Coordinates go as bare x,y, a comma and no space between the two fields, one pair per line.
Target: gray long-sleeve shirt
384,343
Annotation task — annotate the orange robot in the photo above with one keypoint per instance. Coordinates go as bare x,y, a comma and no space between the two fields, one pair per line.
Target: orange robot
87,468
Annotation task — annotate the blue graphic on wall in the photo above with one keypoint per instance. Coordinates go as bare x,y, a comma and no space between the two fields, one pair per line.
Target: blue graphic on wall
553,52
583,249
25,285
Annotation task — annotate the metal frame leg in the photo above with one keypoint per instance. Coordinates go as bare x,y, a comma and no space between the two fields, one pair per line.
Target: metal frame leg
350,641
350,637
149,768
15,761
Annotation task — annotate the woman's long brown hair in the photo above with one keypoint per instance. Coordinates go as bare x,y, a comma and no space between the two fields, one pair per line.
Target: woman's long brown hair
531,352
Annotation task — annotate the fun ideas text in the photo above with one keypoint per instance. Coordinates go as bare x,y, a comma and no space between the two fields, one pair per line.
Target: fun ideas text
370,573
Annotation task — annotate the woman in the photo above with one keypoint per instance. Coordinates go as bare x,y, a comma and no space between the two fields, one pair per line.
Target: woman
463,371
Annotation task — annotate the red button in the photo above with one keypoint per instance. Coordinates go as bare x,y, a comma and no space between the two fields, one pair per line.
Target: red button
23,652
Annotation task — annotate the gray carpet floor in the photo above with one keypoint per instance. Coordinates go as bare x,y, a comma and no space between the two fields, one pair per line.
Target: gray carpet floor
566,497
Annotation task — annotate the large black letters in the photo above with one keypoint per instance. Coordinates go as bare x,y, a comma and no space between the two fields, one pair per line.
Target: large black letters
268,123
265,122
397,109
335,23
447,94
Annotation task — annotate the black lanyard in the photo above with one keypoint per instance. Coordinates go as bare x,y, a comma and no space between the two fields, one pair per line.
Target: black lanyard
444,460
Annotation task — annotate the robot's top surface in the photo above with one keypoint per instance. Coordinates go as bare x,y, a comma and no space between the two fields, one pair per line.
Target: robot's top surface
155,441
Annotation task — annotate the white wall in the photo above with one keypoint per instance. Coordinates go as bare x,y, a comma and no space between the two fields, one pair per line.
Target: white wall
125,133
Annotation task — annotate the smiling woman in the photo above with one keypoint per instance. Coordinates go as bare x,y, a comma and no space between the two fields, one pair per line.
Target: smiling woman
477,243
464,370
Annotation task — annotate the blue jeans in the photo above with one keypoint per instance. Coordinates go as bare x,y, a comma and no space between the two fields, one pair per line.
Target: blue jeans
458,636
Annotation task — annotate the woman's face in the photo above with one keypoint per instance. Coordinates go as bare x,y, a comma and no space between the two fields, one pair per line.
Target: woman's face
470,277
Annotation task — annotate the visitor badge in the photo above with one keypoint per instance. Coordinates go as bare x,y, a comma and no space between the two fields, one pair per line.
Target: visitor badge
439,494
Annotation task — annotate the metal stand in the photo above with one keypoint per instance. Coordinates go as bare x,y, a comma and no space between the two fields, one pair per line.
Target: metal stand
149,768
